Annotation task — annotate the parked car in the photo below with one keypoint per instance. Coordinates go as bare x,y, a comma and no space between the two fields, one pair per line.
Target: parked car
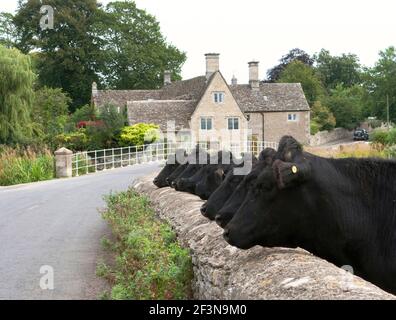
360,134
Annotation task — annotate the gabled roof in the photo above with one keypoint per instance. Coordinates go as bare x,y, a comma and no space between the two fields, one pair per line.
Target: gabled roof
177,101
191,89
120,97
161,111
270,97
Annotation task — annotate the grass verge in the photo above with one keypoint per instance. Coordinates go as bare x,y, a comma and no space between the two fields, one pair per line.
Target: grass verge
25,165
149,262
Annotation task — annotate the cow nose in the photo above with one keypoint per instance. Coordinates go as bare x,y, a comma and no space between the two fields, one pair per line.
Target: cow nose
226,234
203,209
219,220
155,180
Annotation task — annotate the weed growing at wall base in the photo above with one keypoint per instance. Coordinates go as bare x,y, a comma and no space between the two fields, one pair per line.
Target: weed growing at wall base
150,264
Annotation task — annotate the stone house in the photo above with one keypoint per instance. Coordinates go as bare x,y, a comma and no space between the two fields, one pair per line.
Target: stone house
207,108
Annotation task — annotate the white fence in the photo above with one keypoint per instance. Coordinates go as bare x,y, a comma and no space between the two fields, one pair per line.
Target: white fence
99,160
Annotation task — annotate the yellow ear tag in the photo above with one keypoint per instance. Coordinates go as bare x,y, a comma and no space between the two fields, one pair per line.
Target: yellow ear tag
294,169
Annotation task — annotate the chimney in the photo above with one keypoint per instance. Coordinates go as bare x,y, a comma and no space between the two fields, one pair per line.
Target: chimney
254,75
212,64
167,77
234,81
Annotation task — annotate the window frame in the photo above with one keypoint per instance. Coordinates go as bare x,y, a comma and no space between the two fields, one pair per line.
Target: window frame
217,95
233,123
292,117
207,119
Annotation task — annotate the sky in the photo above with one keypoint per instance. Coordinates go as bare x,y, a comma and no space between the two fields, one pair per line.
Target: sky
264,30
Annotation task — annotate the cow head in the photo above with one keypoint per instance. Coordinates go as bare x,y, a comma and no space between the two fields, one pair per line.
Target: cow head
231,181
172,163
219,197
275,203
225,214
214,174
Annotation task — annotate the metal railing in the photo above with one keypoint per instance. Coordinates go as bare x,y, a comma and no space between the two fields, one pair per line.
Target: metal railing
99,160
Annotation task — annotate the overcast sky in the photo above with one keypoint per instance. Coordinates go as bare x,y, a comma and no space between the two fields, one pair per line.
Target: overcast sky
265,30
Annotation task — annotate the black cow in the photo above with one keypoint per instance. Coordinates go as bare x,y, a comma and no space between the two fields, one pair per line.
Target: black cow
227,211
195,161
343,210
188,184
171,165
209,177
219,197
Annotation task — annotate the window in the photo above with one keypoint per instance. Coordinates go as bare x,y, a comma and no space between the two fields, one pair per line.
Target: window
206,123
233,123
218,97
291,117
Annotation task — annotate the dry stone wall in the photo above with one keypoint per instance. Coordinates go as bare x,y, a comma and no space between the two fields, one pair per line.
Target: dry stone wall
324,137
224,272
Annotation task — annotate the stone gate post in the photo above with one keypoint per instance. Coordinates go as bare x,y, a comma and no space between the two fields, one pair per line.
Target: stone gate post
63,163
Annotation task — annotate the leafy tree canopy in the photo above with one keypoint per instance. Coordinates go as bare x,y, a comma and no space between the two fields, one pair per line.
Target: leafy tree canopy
346,105
296,54
119,47
50,110
298,72
380,82
16,96
7,30
334,70
136,53
66,56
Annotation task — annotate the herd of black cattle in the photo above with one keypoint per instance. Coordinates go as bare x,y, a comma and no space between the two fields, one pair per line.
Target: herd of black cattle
343,210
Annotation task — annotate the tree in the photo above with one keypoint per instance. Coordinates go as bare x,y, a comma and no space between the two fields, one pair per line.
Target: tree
380,82
321,118
274,74
7,30
335,70
85,113
346,105
51,111
136,51
105,136
16,96
298,72
67,56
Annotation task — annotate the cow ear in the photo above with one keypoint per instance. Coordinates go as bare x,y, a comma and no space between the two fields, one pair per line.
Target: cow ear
289,148
288,174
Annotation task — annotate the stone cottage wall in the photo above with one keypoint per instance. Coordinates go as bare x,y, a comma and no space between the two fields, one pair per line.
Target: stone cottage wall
225,272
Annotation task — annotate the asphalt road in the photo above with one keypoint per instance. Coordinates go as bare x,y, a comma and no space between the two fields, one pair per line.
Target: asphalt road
56,223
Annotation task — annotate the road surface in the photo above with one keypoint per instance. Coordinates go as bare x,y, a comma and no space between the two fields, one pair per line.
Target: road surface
56,223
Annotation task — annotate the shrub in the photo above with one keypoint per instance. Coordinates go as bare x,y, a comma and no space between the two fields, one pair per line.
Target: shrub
391,138
382,138
139,134
322,117
84,113
150,264
25,165
75,141
50,111
314,127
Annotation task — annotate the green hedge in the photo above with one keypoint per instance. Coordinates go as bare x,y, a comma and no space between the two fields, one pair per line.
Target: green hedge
150,264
